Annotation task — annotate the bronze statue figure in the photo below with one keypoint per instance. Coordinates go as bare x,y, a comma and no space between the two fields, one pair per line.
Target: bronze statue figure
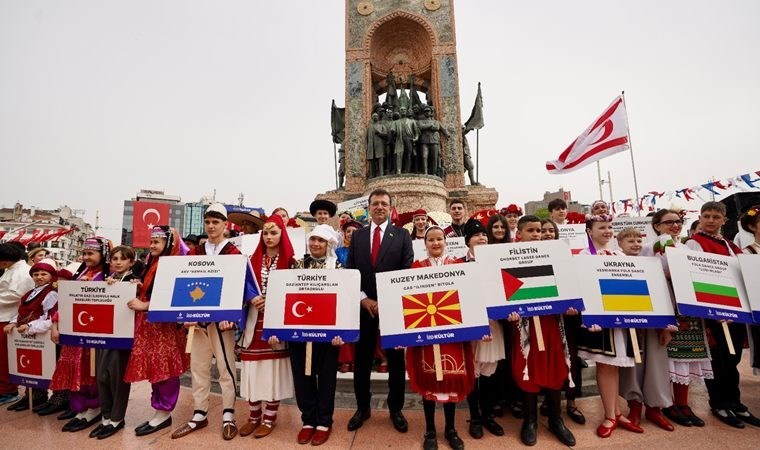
430,140
377,135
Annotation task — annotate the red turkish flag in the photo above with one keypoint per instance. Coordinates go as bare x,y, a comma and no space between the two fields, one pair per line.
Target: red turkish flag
91,318
146,215
29,361
310,309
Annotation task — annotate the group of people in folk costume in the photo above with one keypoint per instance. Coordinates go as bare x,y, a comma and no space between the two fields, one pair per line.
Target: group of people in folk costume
502,369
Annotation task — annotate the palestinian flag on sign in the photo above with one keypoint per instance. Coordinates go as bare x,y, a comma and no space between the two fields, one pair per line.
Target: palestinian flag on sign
715,290
529,283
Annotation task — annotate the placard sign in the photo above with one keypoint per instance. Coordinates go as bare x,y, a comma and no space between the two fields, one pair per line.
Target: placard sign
455,247
750,267
624,292
358,208
198,289
313,305
642,224
574,235
94,314
708,285
31,359
431,305
529,278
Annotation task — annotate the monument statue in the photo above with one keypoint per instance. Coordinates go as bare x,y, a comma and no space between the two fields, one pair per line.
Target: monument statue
430,140
377,136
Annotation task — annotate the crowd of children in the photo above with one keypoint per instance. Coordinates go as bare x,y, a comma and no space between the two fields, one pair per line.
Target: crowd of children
502,369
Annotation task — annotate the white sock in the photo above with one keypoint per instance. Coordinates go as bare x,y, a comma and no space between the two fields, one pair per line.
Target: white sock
115,424
228,417
321,428
159,418
79,415
105,421
197,417
91,414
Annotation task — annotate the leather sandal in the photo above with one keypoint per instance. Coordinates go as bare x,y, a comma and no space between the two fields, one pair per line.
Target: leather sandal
249,427
229,430
264,429
186,429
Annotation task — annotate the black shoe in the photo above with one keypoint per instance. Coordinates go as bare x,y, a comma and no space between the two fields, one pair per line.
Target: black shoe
96,431
21,404
517,410
575,415
455,442
50,408
71,423
529,432
68,414
84,423
40,407
493,427
544,409
728,417
747,417
147,428
476,430
558,428
675,415
399,422
689,414
109,430
497,411
429,442
358,419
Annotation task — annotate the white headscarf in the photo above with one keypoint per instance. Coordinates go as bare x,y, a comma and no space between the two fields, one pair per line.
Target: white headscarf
327,233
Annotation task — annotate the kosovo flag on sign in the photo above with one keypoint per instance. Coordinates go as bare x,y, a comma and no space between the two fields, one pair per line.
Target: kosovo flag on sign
197,292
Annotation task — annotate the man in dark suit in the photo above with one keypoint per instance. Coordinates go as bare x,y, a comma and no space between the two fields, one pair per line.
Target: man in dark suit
380,247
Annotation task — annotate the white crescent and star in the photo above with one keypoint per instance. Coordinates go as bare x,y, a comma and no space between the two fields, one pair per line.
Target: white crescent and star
151,211
89,319
21,361
294,309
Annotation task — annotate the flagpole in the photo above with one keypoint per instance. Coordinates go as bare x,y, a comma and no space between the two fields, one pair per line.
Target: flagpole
599,178
609,184
477,155
630,149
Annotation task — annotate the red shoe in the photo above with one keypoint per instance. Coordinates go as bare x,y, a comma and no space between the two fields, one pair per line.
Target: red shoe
634,411
655,416
321,436
305,435
605,432
629,426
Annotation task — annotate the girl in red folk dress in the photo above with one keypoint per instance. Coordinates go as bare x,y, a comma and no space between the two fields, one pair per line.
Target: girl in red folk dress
72,371
266,374
458,372
158,353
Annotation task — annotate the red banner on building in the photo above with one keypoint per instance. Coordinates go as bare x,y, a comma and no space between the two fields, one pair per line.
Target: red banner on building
145,216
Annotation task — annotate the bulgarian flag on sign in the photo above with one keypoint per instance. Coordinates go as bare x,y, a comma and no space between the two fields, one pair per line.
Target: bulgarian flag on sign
716,290
529,283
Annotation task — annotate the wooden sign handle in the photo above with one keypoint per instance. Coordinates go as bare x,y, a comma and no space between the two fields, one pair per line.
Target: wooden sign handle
92,362
307,370
635,343
539,333
729,341
190,334
438,362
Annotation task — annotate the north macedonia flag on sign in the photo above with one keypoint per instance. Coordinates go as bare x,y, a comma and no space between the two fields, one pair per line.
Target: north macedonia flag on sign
432,309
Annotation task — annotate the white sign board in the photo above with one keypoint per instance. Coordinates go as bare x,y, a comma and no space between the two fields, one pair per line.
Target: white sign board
624,292
358,207
95,314
31,359
574,235
431,305
313,305
750,267
708,285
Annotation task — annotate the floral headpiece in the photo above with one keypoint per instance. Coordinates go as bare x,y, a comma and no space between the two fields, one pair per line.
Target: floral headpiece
511,209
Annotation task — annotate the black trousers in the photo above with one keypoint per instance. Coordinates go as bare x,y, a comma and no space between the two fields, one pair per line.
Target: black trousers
315,394
509,391
364,353
723,390
572,329
113,391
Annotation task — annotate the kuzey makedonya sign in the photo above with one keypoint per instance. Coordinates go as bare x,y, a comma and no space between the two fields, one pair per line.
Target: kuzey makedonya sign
708,285
31,359
431,305
313,305
529,278
198,289
624,292
95,314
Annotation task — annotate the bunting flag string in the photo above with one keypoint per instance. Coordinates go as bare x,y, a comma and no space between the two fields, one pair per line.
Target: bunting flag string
715,189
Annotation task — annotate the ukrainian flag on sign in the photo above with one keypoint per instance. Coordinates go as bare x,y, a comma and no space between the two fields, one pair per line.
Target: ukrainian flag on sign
625,295
200,292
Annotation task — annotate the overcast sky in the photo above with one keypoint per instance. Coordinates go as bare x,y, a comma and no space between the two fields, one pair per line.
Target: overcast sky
99,99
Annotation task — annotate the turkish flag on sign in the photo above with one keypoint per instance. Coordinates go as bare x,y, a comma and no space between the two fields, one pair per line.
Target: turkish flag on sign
310,309
146,215
29,361
91,318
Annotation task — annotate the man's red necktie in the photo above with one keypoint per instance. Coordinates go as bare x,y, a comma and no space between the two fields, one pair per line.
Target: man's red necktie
375,245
